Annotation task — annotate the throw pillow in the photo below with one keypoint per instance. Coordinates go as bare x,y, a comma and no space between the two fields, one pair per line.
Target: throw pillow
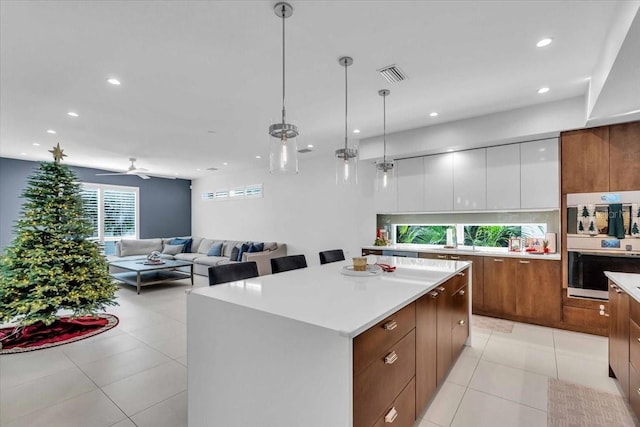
244,248
256,247
234,253
172,249
216,250
185,242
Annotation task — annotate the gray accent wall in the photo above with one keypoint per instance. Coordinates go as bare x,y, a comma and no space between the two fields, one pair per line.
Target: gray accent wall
165,204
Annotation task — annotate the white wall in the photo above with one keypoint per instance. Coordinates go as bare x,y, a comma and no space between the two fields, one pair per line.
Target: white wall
308,211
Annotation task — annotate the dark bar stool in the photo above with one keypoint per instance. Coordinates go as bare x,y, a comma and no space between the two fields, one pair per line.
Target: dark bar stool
231,272
333,255
286,263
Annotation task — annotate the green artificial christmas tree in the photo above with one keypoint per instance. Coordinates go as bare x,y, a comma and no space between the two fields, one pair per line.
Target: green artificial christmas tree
634,229
585,212
50,265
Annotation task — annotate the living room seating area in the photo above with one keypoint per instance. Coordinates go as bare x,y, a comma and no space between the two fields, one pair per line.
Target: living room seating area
202,252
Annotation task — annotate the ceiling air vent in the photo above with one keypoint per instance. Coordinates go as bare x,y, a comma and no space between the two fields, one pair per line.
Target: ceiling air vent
392,73
212,169
305,150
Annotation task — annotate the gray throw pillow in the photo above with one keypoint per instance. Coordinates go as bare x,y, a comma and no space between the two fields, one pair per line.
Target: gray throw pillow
172,249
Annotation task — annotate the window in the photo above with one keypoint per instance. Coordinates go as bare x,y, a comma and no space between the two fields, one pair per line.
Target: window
113,211
475,235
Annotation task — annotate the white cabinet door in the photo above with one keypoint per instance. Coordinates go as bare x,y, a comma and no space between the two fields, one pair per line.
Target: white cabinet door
438,182
469,180
410,175
539,174
503,177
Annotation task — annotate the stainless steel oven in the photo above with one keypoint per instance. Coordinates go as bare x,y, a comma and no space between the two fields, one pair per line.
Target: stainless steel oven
586,271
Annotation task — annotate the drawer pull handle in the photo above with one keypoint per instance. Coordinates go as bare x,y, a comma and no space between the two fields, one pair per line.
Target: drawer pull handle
498,260
442,256
390,358
461,322
613,287
639,391
525,262
391,416
434,294
618,291
390,325
461,292
454,257
638,339
461,274
440,288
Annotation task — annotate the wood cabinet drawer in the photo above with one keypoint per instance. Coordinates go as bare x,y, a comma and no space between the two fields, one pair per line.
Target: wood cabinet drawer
381,381
634,344
459,320
402,412
634,390
370,344
634,311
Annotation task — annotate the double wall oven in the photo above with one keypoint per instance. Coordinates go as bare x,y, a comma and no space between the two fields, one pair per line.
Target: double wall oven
591,250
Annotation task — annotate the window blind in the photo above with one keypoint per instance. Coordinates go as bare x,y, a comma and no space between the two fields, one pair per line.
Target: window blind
119,213
91,208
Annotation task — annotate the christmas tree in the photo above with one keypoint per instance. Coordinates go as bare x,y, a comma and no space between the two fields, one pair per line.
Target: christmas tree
634,229
50,265
585,212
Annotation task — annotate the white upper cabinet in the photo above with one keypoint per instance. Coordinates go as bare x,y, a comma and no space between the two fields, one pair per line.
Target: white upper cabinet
539,174
469,180
438,182
410,175
503,177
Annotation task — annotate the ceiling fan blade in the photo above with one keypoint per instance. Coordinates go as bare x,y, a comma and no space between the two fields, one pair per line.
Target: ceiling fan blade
108,174
143,176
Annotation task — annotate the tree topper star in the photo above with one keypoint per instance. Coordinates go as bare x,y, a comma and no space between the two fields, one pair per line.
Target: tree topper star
57,153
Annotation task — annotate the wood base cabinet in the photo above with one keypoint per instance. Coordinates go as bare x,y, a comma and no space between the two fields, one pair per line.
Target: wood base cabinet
523,289
619,336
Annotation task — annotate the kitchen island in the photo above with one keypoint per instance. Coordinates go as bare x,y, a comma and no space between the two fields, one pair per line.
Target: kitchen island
315,347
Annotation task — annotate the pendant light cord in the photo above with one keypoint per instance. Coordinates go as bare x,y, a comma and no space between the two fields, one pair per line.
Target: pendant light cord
283,65
346,99
384,129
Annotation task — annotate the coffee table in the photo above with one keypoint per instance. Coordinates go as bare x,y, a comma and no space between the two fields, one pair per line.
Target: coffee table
138,273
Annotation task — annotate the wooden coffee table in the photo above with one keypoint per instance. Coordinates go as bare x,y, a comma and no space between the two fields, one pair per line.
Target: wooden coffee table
138,273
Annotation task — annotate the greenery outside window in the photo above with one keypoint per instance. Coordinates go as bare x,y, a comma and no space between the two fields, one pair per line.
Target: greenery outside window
474,235
114,212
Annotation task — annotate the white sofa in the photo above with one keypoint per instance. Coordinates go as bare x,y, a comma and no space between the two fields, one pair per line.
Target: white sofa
140,248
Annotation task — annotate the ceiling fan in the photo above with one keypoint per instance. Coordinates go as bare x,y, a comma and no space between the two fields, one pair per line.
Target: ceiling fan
133,170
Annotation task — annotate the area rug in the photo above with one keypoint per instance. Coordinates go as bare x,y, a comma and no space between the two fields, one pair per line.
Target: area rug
573,405
62,331
494,324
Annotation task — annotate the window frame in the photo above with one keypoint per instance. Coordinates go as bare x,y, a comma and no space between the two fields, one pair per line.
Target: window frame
101,188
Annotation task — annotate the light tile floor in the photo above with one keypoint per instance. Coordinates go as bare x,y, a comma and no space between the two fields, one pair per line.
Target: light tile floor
136,374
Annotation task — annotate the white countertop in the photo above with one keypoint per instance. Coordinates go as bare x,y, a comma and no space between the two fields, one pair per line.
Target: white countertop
629,282
464,251
323,296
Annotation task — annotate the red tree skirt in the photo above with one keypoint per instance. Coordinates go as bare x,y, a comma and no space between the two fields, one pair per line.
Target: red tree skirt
62,331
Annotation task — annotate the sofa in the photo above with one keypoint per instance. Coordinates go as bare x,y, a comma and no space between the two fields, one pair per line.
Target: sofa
197,250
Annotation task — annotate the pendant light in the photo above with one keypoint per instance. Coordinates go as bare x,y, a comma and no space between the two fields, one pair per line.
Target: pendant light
283,146
347,157
384,168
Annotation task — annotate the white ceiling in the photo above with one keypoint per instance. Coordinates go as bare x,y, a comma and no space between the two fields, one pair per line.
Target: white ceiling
201,81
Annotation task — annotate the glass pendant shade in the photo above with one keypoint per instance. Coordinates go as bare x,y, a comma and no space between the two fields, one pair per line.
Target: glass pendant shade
385,176
347,165
283,148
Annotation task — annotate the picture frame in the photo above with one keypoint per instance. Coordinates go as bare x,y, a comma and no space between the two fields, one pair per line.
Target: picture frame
515,244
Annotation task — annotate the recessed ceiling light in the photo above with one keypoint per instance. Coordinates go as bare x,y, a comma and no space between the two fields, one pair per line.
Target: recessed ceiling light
356,131
114,82
23,154
543,90
51,131
35,144
72,114
544,42
198,169
309,145
434,114
450,150
258,157
225,164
